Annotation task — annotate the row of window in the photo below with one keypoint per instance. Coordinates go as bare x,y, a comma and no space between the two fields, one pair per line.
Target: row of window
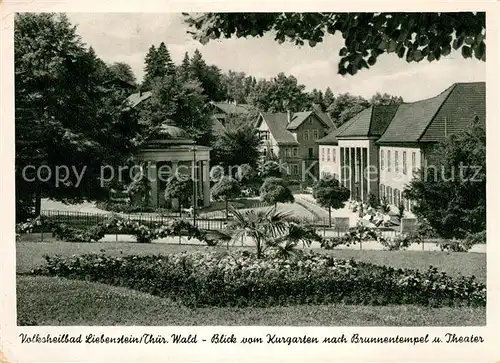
291,152
394,197
264,135
383,163
311,134
329,151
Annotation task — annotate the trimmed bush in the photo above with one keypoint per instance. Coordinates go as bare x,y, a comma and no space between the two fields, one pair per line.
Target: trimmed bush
207,278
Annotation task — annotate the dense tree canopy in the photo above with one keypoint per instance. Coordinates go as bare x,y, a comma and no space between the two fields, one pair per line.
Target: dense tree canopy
226,188
281,94
179,187
275,190
329,193
412,36
451,189
65,116
237,146
209,76
385,99
124,72
346,106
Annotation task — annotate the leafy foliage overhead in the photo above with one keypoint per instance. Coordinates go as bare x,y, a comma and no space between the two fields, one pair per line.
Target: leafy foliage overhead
65,113
411,36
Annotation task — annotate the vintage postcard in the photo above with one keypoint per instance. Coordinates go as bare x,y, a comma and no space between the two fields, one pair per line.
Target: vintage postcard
195,181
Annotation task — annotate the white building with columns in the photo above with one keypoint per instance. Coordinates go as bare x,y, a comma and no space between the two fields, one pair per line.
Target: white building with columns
173,153
380,148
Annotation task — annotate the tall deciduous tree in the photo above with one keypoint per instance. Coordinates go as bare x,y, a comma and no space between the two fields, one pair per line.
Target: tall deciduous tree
64,114
450,190
281,94
410,36
124,72
329,193
346,106
235,86
385,99
226,188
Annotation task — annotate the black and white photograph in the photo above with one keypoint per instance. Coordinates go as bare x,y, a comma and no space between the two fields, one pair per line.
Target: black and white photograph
250,169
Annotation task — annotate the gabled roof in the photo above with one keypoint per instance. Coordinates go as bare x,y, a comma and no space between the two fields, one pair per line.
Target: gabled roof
297,119
370,122
136,98
232,109
217,126
431,119
277,123
331,138
324,116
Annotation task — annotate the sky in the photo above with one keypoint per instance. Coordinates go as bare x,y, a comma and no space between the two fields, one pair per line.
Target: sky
126,37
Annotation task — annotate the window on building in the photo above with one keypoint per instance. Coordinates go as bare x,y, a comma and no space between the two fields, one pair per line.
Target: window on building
382,160
264,135
404,163
295,152
382,191
413,162
328,154
334,155
264,151
389,160
315,134
288,152
389,194
311,153
396,162
322,154
295,169
306,134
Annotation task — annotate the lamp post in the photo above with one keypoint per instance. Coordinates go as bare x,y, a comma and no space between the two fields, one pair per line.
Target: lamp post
194,176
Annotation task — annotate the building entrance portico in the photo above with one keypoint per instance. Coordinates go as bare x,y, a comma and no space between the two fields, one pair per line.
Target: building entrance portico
359,168
169,154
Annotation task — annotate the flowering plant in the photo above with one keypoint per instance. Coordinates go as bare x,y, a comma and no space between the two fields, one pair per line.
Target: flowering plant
215,278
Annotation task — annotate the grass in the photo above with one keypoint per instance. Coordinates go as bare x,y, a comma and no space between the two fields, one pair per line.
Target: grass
30,255
57,301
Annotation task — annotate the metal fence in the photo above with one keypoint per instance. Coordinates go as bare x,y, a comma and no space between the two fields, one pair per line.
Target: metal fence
84,220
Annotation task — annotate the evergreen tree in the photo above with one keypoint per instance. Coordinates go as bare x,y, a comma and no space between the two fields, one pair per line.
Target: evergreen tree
150,68
210,78
165,63
184,69
328,98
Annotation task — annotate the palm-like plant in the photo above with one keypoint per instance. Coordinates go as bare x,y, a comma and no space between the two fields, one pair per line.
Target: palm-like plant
270,229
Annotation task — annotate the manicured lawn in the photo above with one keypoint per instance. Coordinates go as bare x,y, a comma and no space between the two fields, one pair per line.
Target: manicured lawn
30,255
56,301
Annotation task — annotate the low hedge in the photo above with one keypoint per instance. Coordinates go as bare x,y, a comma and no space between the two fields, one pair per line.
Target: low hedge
221,278
143,233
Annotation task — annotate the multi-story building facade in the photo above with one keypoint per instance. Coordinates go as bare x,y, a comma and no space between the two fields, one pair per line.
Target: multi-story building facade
379,150
292,138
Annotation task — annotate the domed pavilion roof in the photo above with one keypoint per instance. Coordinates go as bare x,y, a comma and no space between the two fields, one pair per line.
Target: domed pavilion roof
169,133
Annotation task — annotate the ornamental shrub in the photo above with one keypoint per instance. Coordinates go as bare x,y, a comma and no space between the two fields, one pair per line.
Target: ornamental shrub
218,278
